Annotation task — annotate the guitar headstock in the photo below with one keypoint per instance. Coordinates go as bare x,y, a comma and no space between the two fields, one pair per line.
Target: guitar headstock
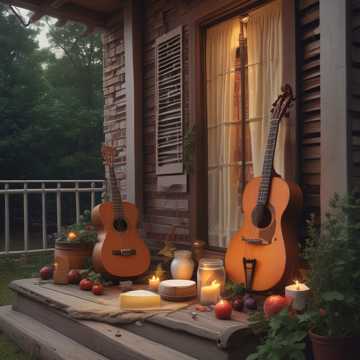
283,102
108,154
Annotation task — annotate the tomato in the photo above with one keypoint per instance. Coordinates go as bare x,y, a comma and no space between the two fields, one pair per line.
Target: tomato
86,284
74,277
46,273
97,289
223,310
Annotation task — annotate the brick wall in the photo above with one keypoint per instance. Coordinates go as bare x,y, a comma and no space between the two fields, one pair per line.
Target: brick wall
115,96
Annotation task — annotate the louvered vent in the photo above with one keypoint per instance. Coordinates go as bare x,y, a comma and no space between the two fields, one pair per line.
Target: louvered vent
169,102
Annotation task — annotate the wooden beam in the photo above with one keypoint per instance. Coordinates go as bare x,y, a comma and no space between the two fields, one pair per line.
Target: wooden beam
134,99
58,3
69,11
334,117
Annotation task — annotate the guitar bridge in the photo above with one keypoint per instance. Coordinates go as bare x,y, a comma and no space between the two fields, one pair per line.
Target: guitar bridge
254,241
124,252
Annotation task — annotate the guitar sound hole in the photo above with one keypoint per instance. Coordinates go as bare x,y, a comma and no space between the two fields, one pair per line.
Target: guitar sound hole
120,225
261,216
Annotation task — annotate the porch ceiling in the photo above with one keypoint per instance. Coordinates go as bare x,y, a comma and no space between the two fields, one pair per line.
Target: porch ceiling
94,13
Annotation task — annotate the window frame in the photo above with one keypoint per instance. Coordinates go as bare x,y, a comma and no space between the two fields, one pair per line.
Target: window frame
198,113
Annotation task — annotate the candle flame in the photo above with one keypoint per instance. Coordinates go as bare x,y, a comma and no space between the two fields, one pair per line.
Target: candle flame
297,284
55,266
214,283
72,235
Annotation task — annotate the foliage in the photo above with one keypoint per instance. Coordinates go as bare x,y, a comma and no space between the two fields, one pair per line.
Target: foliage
334,277
234,289
51,107
286,335
84,231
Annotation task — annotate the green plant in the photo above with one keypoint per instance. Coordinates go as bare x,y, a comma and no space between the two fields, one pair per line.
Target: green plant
285,339
84,231
234,289
333,254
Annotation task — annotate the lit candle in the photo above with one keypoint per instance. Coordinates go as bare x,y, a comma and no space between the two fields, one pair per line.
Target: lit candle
299,293
210,294
154,283
71,235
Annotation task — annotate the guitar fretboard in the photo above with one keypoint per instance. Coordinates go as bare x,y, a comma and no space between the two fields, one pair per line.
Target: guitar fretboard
116,195
267,170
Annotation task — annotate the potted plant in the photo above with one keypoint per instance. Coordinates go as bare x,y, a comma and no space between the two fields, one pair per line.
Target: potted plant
333,255
76,243
286,336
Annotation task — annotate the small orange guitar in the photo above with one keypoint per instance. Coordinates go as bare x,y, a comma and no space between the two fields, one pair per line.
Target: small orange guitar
120,251
264,253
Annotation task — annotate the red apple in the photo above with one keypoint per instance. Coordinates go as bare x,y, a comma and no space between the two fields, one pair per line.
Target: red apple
46,273
74,277
238,303
86,284
274,304
223,310
97,289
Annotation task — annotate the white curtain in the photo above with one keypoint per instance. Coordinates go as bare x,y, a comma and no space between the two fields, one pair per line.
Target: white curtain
264,41
223,132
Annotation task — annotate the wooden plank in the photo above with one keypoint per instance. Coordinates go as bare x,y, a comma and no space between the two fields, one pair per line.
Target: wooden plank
334,112
110,341
134,88
71,12
40,341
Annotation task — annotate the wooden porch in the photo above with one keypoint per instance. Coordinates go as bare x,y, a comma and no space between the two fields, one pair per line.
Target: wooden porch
40,322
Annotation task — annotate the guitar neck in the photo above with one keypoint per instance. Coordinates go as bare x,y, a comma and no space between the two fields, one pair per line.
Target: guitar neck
116,195
267,171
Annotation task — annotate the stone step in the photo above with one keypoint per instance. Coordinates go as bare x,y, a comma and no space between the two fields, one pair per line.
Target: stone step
40,341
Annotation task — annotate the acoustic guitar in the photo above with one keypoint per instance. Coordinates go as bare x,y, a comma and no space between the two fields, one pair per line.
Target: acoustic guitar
120,251
263,254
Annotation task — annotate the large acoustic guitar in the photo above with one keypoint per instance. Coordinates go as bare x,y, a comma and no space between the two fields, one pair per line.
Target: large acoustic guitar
263,254
120,251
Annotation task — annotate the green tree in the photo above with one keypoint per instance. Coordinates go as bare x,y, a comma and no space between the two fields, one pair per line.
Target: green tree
51,107
21,88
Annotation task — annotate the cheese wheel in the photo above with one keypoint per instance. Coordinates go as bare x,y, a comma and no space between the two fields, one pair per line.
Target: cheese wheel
138,299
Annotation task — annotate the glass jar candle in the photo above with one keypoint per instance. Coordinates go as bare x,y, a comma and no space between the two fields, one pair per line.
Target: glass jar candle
182,266
210,280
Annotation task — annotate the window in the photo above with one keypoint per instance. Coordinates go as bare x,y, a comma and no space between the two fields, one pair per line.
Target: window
244,75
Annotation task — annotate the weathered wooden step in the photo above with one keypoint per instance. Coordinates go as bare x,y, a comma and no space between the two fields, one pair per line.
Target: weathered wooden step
40,341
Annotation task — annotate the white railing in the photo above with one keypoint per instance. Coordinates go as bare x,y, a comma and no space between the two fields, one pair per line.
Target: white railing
11,188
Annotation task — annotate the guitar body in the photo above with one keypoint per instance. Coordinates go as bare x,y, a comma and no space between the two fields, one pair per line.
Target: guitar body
119,253
277,257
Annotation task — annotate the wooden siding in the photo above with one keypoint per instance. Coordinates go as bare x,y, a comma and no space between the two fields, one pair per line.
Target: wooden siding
115,97
162,209
308,79
354,93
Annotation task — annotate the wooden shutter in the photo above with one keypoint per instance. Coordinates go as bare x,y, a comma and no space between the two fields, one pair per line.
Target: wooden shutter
354,94
169,103
309,101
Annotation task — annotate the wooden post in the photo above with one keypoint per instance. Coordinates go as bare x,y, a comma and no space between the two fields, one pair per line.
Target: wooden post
334,117
133,77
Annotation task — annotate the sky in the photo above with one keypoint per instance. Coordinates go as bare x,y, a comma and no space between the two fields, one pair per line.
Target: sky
43,41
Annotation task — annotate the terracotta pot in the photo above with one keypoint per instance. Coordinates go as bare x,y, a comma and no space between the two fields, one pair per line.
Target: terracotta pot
334,347
75,253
